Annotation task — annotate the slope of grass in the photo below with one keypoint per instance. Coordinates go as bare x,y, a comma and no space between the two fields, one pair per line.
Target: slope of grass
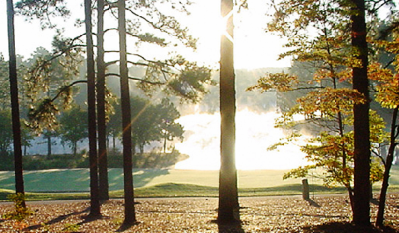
77,180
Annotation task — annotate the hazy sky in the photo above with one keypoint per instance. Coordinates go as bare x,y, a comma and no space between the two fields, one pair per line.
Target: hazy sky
253,47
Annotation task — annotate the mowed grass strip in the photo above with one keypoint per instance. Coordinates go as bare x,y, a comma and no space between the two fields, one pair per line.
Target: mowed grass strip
186,190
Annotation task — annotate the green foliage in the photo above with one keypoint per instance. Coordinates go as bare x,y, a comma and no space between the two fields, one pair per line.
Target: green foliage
47,82
74,127
6,136
151,122
4,84
40,162
154,159
176,76
71,227
43,10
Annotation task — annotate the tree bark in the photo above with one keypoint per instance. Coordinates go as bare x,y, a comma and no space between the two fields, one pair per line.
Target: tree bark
388,165
102,132
91,108
361,212
16,123
130,215
228,194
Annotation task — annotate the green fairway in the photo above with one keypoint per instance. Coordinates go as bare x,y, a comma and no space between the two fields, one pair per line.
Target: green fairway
77,180
164,183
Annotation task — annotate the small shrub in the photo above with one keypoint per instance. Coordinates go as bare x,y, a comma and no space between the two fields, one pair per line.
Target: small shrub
21,211
71,227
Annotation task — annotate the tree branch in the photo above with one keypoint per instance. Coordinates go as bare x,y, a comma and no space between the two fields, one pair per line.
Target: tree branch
66,87
136,79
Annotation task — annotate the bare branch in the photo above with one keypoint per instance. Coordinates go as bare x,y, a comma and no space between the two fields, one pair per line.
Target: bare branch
136,79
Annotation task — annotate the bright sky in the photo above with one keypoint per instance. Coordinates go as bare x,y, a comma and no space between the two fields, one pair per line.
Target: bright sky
253,47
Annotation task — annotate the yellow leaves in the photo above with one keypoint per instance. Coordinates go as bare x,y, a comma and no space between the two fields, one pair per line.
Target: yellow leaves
322,74
378,73
279,82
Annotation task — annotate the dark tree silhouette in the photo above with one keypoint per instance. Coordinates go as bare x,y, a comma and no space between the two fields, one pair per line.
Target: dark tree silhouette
16,124
361,211
228,196
130,215
91,108
101,123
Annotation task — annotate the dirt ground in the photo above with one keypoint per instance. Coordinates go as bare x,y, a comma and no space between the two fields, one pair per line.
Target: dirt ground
263,214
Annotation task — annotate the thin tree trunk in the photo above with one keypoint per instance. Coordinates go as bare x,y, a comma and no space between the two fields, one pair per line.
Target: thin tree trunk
114,144
130,215
361,213
164,144
228,194
16,124
91,105
75,148
388,165
102,132
48,137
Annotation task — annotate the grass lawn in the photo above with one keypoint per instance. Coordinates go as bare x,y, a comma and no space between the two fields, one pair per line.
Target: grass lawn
161,183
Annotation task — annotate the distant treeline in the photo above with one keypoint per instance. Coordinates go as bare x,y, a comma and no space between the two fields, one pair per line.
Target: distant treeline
115,160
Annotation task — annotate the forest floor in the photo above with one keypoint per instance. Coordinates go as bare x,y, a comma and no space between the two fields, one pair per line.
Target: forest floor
330,213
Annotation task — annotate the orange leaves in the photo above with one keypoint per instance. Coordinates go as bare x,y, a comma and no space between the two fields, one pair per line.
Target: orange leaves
387,85
329,101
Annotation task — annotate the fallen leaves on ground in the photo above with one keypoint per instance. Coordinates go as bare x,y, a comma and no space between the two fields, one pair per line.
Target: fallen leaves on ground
327,214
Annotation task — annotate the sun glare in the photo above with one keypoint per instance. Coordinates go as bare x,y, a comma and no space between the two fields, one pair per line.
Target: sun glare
253,47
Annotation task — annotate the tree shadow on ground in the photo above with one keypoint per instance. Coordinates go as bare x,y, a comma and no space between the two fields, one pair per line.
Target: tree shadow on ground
346,227
313,203
141,177
145,176
59,219
125,227
233,226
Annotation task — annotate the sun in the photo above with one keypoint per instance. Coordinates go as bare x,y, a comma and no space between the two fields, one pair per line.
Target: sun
253,47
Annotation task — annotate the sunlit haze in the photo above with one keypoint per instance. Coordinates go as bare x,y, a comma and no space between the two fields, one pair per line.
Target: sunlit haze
255,133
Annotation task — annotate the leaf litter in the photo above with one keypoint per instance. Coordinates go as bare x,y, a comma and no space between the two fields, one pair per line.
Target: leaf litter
329,213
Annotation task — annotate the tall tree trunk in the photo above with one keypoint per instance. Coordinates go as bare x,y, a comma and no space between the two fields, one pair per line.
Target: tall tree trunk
361,213
130,215
228,194
102,132
16,124
91,106
388,165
